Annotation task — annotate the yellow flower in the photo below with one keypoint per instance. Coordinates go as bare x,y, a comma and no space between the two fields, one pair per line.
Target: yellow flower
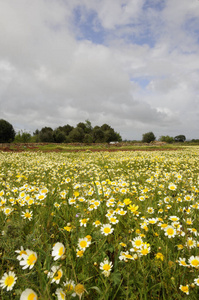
184,289
159,256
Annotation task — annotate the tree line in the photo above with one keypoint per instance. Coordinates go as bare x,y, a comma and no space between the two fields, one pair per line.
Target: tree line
84,132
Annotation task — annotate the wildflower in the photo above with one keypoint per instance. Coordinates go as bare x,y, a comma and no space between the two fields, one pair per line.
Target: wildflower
174,218
83,222
159,256
152,220
182,262
27,214
145,249
79,253
29,259
7,210
150,210
180,247
79,290
21,252
113,220
133,208
196,281
172,187
137,242
106,267
28,294
68,228
125,256
127,201
58,250
69,287
194,261
184,289
56,274
190,243
170,231
8,281
96,223
60,294
83,243
106,229
122,244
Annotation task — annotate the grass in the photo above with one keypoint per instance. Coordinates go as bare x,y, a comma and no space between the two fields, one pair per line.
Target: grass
50,198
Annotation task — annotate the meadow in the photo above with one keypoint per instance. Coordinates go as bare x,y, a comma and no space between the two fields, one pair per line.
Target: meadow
99,225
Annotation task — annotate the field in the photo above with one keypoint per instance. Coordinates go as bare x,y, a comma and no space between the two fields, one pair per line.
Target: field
99,225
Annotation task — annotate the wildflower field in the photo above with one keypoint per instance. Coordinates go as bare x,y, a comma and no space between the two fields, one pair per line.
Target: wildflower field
99,225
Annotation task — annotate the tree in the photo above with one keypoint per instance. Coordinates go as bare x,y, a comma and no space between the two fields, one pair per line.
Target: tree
180,138
59,136
7,133
148,137
46,135
76,135
167,139
22,137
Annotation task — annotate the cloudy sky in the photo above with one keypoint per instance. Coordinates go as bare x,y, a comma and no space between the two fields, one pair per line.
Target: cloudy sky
133,64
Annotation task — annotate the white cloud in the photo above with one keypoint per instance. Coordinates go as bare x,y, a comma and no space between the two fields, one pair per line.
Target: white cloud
55,69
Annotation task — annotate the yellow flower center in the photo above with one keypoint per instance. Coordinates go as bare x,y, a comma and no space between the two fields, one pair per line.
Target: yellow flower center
185,289
61,251
9,280
32,296
31,259
58,275
195,262
170,231
83,244
106,267
27,215
138,243
107,230
69,287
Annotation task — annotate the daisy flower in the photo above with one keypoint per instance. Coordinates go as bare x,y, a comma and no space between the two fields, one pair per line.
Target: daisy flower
58,250
106,229
60,294
29,259
194,261
83,222
106,267
20,252
28,294
172,187
184,289
56,274
69,287
137,242
8,281
96,223
113,220
182,262
27,214
83,243
196,281
170,231
190,243
79,253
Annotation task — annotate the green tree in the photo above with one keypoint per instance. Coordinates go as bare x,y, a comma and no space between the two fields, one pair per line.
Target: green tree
46,135
148,137
76,135
22,137
180,138
166,139
59,136
7,133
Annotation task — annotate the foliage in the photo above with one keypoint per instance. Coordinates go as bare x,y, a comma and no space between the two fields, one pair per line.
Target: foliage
7,133
148,137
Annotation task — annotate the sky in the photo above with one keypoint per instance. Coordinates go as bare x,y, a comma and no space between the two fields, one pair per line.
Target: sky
132,64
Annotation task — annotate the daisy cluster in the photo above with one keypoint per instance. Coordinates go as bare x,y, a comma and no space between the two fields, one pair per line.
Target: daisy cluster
90,217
